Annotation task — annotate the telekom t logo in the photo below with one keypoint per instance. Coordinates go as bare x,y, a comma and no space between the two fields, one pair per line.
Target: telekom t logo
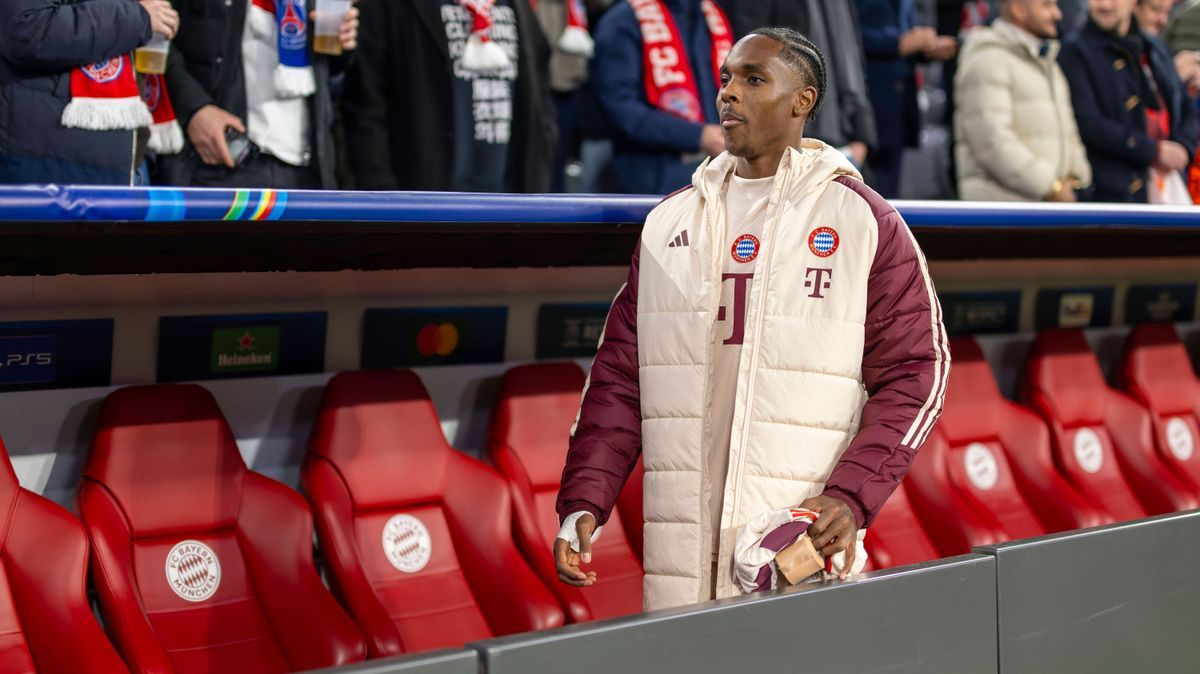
823,279
741,283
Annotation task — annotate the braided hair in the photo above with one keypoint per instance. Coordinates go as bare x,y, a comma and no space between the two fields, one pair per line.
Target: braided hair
801,54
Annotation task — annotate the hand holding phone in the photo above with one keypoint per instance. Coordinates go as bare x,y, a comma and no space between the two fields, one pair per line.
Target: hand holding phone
207,133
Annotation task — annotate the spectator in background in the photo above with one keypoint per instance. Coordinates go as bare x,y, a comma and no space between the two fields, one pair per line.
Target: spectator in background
891,41
230,70
1014,128
49,50
565,23
846,120
431,105
665,118
1132,110
1152,15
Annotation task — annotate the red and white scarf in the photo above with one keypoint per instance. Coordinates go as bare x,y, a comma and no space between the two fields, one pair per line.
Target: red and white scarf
166,136
670,83
575,38
104,97
482,54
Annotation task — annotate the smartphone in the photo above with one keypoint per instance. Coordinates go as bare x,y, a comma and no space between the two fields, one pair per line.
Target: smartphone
240,147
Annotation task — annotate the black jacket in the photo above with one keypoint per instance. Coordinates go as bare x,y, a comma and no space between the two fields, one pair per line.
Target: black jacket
1110,96
398,101
41,42
206,67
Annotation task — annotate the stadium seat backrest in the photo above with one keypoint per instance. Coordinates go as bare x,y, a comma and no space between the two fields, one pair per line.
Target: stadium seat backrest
1065,385
535,409
897,537
46,624
417,536
977,460
200,564
1158,373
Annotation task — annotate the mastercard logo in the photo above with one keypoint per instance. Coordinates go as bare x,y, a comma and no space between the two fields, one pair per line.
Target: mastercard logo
437,340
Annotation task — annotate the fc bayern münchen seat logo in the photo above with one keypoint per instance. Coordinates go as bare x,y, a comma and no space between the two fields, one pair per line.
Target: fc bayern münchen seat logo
193,571
406,543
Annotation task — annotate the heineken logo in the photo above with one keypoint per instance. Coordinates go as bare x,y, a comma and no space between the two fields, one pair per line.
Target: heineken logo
245,349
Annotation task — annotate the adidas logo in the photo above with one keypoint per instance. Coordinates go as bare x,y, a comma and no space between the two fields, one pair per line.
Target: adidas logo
680,240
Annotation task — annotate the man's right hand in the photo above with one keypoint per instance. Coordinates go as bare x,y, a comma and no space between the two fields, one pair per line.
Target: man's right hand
164,20
917,40
567,560
206,131
712,140
1171,156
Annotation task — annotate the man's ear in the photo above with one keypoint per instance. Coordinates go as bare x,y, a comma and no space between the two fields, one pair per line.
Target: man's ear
803,102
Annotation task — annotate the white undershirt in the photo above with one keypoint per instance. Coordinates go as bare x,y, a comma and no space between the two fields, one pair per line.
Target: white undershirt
746,211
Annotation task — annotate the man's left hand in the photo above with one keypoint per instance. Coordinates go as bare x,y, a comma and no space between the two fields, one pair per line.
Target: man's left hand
834,531
348,30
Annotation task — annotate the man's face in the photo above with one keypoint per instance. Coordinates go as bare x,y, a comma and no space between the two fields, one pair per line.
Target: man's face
1152,15
1039,17
762,100
1110,14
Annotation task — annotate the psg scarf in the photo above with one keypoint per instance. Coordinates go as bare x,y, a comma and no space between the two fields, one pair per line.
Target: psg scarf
104,97
670,82
287,19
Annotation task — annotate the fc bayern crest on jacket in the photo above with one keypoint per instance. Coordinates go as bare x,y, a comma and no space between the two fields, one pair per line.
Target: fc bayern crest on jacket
745,248
406,543
193,571
823,241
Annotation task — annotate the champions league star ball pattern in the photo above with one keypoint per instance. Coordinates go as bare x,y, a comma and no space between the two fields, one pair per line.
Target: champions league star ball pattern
745,248
406,543
193,571
823,241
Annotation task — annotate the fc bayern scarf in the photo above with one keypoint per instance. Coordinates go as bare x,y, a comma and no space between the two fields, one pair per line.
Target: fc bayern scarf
166,136
670,82
482,54
104,97
287,19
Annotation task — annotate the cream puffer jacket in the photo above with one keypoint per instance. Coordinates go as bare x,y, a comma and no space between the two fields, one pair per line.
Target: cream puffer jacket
841,377
1014,126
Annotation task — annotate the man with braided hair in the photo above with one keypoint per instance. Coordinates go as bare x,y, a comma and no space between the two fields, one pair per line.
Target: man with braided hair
778,343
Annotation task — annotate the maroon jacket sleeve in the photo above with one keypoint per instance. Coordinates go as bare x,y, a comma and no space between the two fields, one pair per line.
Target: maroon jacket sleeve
906,364
608,434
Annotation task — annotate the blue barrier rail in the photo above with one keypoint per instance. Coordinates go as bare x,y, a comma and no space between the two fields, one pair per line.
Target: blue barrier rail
40,203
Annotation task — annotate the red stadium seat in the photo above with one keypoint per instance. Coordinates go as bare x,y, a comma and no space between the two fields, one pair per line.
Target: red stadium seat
1102,438
200,564
535,409
896,537
953,523
417,536
1158,373
46,624
999,460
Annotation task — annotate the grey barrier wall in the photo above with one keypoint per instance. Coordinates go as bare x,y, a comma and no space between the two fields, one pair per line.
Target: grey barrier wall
441,662
1123,598
936,617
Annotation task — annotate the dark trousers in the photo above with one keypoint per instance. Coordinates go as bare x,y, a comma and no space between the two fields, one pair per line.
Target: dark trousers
261,171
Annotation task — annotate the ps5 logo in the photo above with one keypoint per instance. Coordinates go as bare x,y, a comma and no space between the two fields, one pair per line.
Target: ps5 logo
28,359
21,359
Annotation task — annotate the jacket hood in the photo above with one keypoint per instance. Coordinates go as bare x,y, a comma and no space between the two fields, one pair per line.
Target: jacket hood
814,165
1004,34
